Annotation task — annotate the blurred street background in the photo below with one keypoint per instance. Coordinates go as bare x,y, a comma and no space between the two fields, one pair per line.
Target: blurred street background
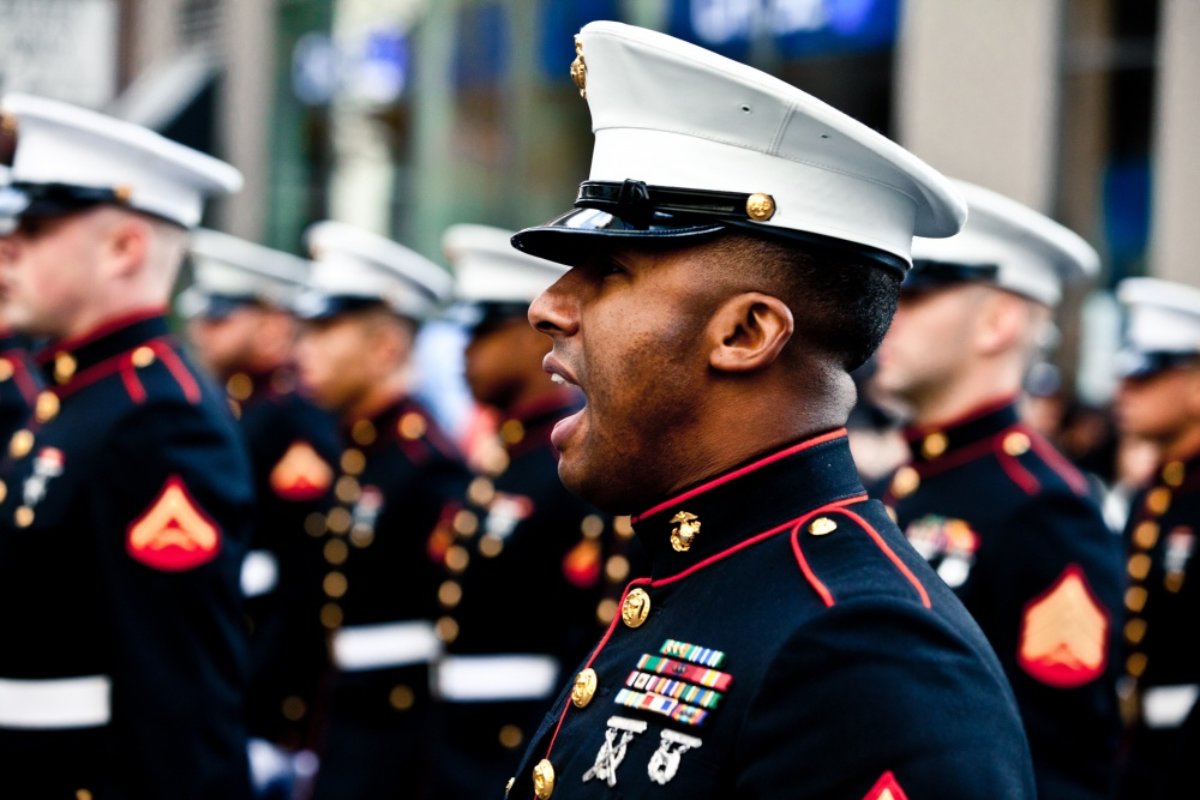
405,116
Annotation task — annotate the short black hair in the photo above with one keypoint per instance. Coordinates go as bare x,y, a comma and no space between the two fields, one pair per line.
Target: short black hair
843,299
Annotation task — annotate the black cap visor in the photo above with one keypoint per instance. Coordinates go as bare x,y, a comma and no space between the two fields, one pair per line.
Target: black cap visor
315,307
1138,365
927,276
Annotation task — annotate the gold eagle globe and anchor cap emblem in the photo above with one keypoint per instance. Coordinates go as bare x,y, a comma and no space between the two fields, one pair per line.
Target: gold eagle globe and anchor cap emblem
579,69
687,527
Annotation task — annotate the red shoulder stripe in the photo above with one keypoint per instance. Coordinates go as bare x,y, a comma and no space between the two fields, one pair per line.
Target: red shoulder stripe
891,554
178,370
1019,475
128,373
1059,463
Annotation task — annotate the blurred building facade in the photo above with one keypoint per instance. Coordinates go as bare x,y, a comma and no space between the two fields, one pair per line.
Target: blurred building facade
404,116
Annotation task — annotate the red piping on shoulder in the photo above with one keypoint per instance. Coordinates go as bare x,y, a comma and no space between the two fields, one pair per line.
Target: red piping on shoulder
128,373
1015,471
737,473
178,370
891,554
21,376
1059,463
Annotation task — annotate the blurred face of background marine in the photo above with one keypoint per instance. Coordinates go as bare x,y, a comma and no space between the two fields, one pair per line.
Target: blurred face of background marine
345,359
503,361
250,337
1161,406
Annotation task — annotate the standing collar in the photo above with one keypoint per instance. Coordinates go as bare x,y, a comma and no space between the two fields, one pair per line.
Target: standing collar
931,442
757,496
62,361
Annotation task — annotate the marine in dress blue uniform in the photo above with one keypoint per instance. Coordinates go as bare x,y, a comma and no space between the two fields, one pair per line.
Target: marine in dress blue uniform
395,474
1004,518
19,380
240,322
1160,669
736,251
508,545
125,497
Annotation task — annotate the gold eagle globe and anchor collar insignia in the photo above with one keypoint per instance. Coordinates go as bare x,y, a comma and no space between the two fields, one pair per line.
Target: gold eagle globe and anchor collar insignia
687,527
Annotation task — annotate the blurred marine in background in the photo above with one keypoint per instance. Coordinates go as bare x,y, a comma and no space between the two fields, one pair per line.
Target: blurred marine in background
125,499
1159,401
1005,520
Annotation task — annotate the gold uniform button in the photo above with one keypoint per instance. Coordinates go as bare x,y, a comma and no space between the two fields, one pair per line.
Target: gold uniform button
450,594
457,558
1016,444
20,444
606,609
616,569
1158,500
543,779
584,688
64,367
934,445
1173,582
347,490
905,482
3,491
1135,598
481,492
446,629
623,527
239,386
511,737
1172,473
331,615
635,608
6,369
361,536
401,697
47,406
1135,665
1145,535
336,552
363,432
512,431
83,794
335,584
490,546
1138,566
1135,630
353,461
465,523
143,357
592,526
822,526
314,524
23,516
412,425
338,520
294,708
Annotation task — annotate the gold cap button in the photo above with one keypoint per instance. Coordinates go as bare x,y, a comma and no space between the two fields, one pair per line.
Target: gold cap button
543,779
584,688
635,608
143,357
47,406
934,445
905,482
1016,444
21,443
822,526
760,206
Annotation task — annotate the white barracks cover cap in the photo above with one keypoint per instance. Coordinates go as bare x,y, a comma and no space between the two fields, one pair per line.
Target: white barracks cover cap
67,158
689,143
488,270
228,271
353,268
1162,327
1008,245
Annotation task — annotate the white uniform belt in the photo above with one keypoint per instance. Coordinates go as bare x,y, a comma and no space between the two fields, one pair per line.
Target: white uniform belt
56,703
496,678
260,573
388,644
1168,706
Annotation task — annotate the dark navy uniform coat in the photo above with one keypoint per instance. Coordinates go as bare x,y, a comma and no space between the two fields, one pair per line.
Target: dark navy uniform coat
122,530
1161,667
19,384
293,448
518,541
395,476
1010,526
789,643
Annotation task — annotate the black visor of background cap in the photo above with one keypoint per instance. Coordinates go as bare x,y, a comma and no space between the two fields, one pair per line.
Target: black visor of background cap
493,282
1004,244
63,158
1162,326
228,272
353,269
689,143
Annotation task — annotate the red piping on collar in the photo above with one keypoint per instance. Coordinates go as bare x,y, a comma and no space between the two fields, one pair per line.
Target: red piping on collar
915,432
47,353
101,369
737,473
21,376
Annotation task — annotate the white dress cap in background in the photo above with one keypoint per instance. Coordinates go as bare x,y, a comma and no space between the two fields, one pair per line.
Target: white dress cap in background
1162,324
64,149
488,270
350,264
226,268
1009,245
750,150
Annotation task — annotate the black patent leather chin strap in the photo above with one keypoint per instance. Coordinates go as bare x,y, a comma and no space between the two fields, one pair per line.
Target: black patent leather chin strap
638,202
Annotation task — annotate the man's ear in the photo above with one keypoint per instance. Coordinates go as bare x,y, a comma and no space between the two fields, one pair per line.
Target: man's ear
127,245
748,332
